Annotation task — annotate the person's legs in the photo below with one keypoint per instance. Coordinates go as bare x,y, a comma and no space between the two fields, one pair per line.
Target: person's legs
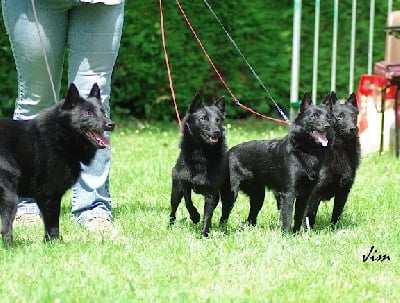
93,43
34,86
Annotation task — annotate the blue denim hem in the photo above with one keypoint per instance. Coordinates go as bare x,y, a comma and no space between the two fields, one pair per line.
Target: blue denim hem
86,216
27,206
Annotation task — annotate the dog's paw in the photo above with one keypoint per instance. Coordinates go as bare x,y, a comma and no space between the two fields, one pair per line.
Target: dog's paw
53,239
172,220
8,241
195,217
204,234
223,222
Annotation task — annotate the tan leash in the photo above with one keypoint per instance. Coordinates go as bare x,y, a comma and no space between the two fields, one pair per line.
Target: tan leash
44,51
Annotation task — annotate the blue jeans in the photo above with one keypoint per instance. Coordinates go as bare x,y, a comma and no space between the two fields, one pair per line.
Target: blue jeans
89,35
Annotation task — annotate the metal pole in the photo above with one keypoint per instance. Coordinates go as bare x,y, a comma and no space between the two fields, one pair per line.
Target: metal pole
316,45
371,35
334,44
352,45
294,87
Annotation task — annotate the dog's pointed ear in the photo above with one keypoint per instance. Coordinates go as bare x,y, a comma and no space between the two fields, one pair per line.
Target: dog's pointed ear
328,101
95,91
72,97
352,100
220,103
334,97
305,102
196,104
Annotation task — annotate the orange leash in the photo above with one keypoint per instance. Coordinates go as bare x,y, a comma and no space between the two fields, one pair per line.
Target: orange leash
219,74
168,68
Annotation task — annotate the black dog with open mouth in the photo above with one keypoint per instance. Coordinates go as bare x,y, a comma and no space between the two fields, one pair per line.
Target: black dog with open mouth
288,166
201,163
41,158
338,173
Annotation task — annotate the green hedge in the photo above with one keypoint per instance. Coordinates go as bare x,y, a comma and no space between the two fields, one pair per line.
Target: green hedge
263,31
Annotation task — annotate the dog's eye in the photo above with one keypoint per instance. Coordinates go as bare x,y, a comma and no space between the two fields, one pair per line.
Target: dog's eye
89,113
204,119
314,115
340,116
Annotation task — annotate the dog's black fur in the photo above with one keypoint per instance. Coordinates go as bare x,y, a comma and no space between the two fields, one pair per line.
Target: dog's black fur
288,166
40,158
337,175
200,165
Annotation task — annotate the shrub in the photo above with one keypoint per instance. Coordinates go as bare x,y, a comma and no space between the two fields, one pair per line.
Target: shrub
261,29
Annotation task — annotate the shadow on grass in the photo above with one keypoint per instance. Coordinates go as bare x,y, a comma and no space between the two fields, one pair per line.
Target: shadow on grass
323,221
120,211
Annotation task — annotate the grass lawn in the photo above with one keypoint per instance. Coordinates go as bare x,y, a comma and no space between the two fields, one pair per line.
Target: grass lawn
142,260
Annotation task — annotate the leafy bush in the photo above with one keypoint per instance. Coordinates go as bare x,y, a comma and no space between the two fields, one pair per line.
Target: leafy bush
8,75
263,32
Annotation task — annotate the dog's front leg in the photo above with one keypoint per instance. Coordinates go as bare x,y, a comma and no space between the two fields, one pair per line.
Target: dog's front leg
210,202
228,198
8,211
339,202
257,196
187,194
176,197
313,204
50,209
287,200
300,209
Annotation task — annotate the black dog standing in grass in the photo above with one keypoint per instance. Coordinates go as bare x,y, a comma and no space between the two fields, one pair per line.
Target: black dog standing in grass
41,158
337,175
201,162
288,166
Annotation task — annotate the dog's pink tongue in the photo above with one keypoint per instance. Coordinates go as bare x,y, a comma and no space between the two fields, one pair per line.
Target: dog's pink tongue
321,138
101,140
214,139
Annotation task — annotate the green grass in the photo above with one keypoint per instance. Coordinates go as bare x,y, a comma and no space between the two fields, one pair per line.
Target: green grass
143,260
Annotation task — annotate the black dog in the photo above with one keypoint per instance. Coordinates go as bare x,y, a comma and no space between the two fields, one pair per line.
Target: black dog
200,165
288,166
40,158
336,176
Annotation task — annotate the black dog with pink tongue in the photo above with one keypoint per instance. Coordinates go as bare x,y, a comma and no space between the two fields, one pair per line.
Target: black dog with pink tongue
41,158
200,166
288,166
338,173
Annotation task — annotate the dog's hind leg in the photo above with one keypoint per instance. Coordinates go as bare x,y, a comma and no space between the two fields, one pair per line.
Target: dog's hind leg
8,209
176,197
50,210
339,202
257,195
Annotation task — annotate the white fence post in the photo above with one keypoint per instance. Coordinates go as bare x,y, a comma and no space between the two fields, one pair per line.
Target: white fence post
371,35
316,50
352,45
294,87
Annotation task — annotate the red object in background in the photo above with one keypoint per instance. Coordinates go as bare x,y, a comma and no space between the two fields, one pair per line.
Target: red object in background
390,69
372,86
